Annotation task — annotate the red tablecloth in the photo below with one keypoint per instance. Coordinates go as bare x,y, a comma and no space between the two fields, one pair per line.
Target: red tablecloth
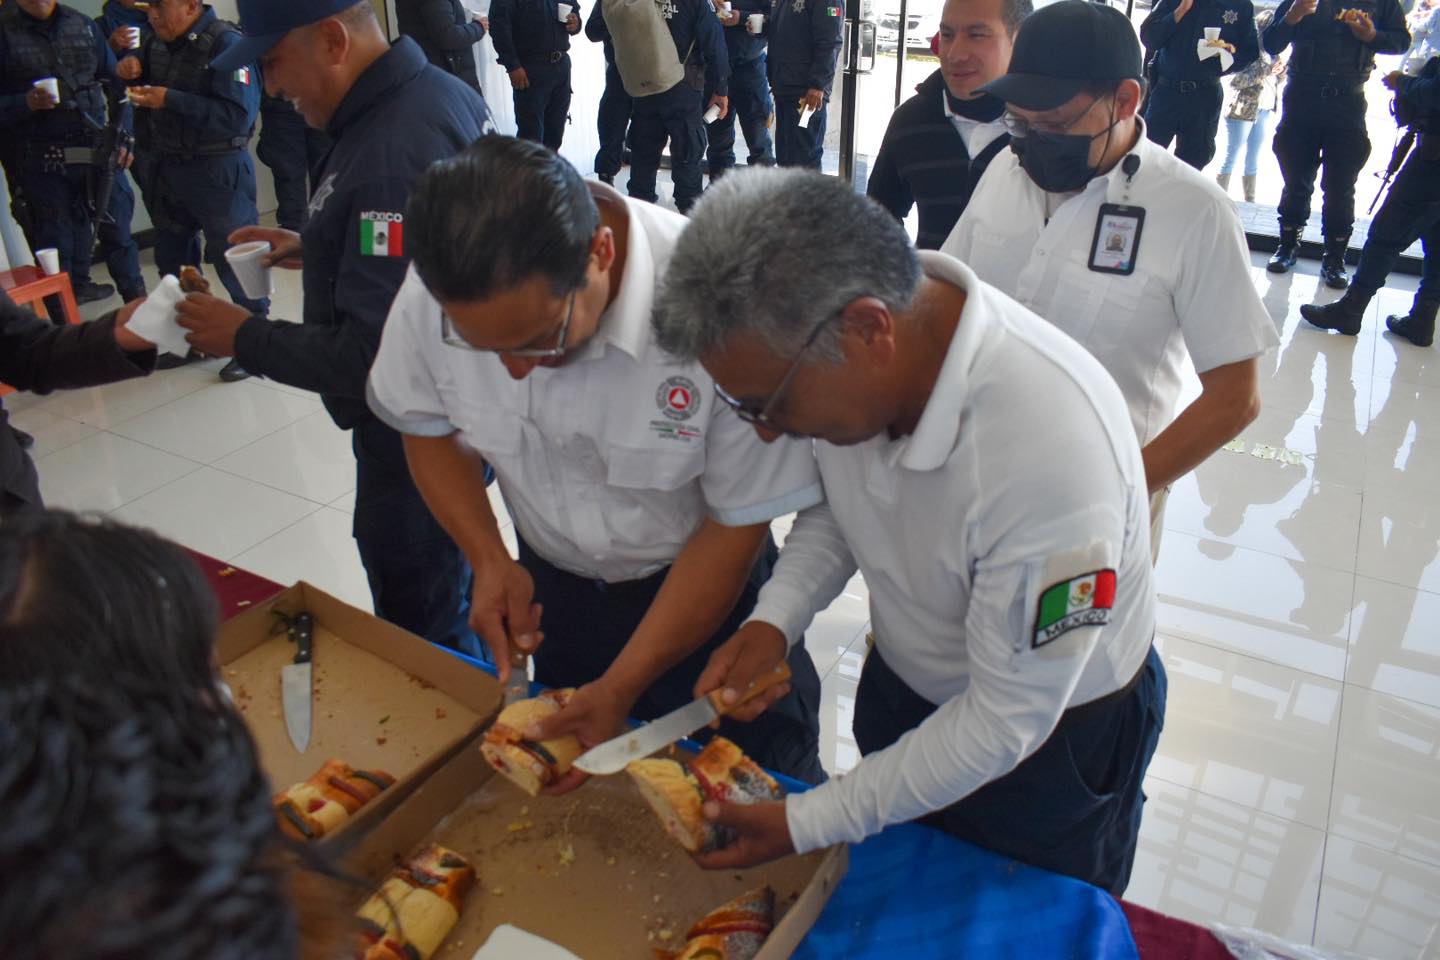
1157,936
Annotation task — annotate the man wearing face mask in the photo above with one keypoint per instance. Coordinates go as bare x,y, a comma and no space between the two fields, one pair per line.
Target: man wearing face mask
1120,244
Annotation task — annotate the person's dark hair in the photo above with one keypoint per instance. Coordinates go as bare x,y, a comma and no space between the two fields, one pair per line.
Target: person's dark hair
1014,12
87,595
137,823
497,214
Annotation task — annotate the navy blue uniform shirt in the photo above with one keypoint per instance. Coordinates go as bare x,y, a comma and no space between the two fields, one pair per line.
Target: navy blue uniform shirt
804,44
696,31
525,29
1176,45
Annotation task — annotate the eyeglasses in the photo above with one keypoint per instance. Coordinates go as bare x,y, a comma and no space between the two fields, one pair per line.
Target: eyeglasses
1018,126
760,415
452,338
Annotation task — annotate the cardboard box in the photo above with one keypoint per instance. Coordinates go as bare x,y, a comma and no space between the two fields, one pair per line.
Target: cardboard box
592,871
384,699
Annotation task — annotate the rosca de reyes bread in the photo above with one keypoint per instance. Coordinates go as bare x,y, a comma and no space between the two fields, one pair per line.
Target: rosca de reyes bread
416,908
193,281
677,792
531,765
315,807
735,931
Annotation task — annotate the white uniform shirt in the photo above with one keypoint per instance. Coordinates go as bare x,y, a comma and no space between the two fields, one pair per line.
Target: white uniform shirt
1021,476
610,462
1191,289
977,134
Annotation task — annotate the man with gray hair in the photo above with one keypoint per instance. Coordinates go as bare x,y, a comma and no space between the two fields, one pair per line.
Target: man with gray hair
980,471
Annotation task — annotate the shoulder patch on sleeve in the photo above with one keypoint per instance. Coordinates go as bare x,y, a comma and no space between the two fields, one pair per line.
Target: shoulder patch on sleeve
1082,601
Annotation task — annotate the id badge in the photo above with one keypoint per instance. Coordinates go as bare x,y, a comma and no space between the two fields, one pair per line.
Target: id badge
1117,239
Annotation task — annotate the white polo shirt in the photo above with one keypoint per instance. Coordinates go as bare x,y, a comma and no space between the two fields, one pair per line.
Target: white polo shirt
1191,289
608,463
989,539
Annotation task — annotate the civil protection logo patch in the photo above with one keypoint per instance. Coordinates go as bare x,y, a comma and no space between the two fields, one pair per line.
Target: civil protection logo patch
678,398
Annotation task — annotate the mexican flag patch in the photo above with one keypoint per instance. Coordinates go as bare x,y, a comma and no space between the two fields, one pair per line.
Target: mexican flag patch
382,234
1083,601
833,11
243,76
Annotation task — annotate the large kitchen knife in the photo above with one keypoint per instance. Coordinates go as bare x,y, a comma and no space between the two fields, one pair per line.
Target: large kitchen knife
518,686
612,756
295,681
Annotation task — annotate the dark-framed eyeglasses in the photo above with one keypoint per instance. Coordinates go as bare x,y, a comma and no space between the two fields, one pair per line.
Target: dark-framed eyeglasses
452,338
1018,126
759,415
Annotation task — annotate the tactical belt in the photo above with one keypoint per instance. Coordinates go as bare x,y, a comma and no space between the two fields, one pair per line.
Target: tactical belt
1327,87
544,56
1187,86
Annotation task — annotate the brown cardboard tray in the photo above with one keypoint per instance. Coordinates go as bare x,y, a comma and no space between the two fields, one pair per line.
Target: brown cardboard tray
592,871
384,699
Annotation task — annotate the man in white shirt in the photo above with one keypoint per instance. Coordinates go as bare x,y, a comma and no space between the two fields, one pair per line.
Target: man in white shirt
642,505
1119,244
980,471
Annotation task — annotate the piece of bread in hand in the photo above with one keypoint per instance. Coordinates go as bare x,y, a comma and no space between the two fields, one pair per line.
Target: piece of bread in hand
416,908
193,281
734,931
319,805
531,766
677,792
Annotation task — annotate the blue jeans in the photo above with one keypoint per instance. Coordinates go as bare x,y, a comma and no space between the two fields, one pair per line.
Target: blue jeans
1249,133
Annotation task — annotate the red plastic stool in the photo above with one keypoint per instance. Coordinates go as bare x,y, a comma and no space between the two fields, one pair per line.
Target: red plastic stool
30,285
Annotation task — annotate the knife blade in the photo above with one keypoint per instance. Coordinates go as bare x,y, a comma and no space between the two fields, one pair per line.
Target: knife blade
295,681
612,756
518,686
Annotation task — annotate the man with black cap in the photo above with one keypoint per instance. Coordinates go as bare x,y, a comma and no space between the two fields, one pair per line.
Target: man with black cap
1117,242
390,114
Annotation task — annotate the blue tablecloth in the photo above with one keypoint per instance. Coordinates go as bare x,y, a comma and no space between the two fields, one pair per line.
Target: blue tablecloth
916,893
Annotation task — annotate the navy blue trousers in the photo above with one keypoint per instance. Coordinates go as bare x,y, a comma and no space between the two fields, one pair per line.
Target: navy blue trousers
749,102
292,149
1318,131
675,115
1190,117
1073,806
612,123
201,197
587,623
797,146
60,199
542,108
1411,209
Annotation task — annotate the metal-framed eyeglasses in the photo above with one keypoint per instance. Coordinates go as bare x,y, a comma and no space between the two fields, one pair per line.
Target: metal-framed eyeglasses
760,414
452,338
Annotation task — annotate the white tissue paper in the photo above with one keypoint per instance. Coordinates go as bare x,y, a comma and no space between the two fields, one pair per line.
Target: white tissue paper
1206,52
154,320
512,943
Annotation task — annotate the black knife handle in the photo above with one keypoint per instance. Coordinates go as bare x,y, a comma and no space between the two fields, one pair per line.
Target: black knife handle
302,629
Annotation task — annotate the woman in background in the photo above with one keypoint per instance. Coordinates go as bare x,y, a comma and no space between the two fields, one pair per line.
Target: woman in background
1247,122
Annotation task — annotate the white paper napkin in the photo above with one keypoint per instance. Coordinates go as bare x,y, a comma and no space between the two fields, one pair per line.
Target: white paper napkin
1206,52
154,320
512,943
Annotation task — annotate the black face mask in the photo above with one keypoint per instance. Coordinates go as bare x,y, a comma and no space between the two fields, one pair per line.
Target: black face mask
1058,162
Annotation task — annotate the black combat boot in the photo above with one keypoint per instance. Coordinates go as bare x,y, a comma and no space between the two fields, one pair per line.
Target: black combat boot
1332,263
1345,315
1286,251
1419,326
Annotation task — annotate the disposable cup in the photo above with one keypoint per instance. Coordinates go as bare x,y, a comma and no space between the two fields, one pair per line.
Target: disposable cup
246,259
563,11
132,37
1211,33
713,113
50,84
49,260
757,22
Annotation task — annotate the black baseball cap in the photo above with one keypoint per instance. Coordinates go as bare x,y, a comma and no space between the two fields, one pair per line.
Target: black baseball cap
265,23
1063,48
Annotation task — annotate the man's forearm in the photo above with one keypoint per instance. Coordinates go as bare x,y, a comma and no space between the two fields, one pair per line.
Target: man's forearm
451,480
1228,403
699,592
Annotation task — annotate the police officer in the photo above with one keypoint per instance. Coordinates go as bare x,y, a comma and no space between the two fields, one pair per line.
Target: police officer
1185,104
292,149
49,151
749,92
532,41
1322,119
447,31
389,114
1411,210
117,19
676,113
804,46
191,133
612,121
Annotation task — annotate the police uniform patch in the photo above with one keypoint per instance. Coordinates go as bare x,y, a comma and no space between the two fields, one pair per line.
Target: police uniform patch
678,398
1080,602
243,76
1230,16
382,234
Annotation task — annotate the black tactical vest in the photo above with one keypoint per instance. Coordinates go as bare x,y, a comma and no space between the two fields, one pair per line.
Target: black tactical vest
186,68
64,49
1325,49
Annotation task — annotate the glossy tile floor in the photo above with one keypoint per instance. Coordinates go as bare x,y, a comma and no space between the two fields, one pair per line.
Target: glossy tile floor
1297,785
